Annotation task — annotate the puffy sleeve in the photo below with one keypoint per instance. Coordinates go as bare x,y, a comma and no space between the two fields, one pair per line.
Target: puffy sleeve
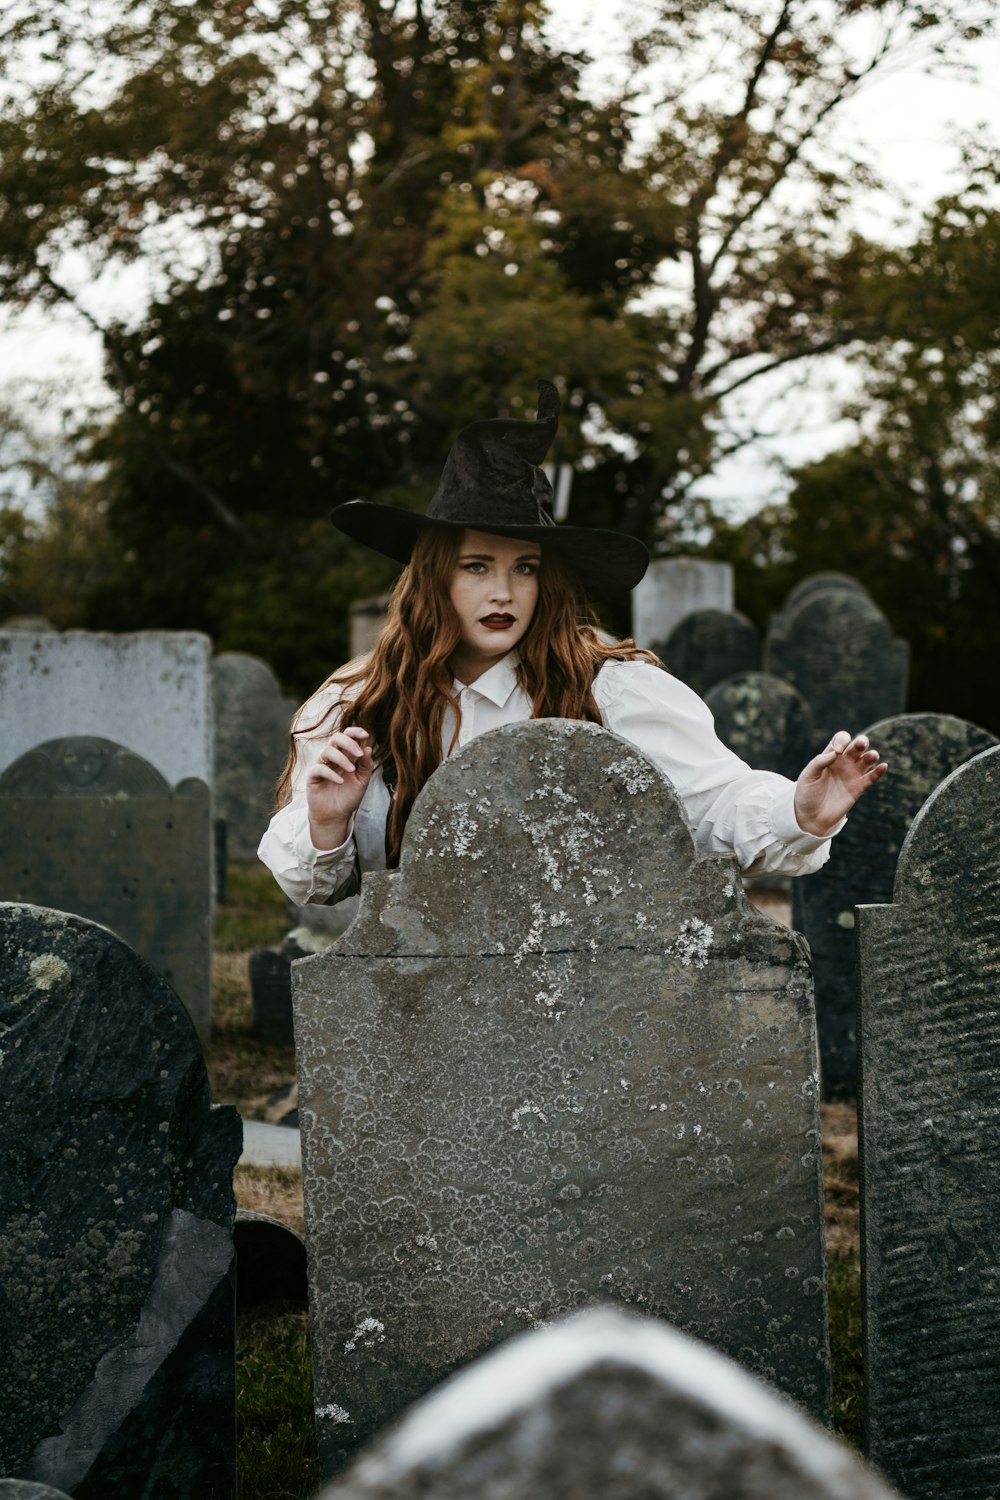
308,875
732,808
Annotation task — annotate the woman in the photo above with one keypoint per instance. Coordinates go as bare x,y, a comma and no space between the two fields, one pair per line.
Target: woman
487,626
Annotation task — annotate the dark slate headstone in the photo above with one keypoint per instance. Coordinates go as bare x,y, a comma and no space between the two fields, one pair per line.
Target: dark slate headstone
765,721
823,583
922,750
708,645
558,1058
605,1405
837,648
89,827
116,1214
270,1261
929,1053
252,721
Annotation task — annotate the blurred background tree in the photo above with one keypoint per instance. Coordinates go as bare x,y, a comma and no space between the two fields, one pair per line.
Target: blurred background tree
375,221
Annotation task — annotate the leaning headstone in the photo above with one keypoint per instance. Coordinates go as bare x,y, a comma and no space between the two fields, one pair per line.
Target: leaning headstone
558,1058
922,750
929,1054
606,1404
88,827
765,721
674,587
116,1219
150,692
837,648
251,745
708,645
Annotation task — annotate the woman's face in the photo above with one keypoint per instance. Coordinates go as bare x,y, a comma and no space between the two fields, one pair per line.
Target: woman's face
494,590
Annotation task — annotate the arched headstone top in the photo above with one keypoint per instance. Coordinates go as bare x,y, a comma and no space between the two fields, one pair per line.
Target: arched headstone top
818,583
951,855
709,645
765,720
81,766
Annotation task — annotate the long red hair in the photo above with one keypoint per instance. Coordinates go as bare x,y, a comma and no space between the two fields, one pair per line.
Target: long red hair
402,689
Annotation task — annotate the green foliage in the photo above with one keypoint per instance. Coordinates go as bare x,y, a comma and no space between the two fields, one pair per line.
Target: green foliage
845,1351
253,914
276,1455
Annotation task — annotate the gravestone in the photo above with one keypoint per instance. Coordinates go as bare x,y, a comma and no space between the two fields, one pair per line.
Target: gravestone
837,648
149,692
674,587
709,645
921,750
367,621
822,583
558,1058
116,1215
929,1118
252,721
765,721
23,1489
605,1405
270,1261
88,827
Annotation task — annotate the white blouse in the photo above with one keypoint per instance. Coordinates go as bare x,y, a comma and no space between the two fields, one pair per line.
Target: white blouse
732,808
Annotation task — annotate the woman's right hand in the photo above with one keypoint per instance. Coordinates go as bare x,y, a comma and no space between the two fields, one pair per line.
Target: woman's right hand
336,784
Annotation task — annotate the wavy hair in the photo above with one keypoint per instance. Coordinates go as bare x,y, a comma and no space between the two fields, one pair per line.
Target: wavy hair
401,691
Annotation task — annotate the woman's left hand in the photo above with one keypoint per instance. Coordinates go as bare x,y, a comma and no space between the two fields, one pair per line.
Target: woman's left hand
834,780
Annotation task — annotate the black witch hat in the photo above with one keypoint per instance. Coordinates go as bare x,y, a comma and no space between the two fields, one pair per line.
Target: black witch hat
492,481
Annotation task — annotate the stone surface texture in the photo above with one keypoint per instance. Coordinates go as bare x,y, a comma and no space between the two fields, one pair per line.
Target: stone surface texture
674,587
252,720
765,720
922,750
606,1406
837,648
929,1118
149,691
709,645
557,1059
116,1214
23,1489
89,827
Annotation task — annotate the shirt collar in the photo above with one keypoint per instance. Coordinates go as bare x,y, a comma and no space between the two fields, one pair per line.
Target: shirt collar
498,683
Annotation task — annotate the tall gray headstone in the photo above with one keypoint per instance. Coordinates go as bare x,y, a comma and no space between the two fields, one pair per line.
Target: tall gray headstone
929,1052
149,691
605,1405
674,587
88,827
252,721
922,750
765,721
116,1217
557,1059
837,648
708,645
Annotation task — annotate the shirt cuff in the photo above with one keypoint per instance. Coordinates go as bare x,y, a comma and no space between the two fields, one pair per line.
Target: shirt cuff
785,825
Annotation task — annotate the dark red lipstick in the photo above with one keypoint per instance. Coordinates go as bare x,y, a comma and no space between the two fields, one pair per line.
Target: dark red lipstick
497,622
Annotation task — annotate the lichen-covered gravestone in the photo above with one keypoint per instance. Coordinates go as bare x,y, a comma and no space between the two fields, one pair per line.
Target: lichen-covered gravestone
837,648
929,1055
116,1215
251,745
89,827
922,750
605,1405
765,721
711,644
557,1058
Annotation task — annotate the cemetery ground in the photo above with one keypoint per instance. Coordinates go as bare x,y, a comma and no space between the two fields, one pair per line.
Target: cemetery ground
277,1444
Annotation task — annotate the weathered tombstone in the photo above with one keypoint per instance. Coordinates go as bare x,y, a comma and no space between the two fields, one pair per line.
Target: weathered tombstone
765,721
150,692
116,1215
837,648
606,1404
929,1117
708,645
922,750
251,745
270,1261
821,583
566,1061
88,827
23,1489
674,587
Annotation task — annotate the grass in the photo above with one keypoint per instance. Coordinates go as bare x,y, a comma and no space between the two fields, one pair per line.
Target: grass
277,1440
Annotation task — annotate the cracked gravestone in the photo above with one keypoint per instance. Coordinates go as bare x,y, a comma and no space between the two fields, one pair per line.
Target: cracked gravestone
708,645
922,750
929,1128
558,1058
116,1224
89,827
